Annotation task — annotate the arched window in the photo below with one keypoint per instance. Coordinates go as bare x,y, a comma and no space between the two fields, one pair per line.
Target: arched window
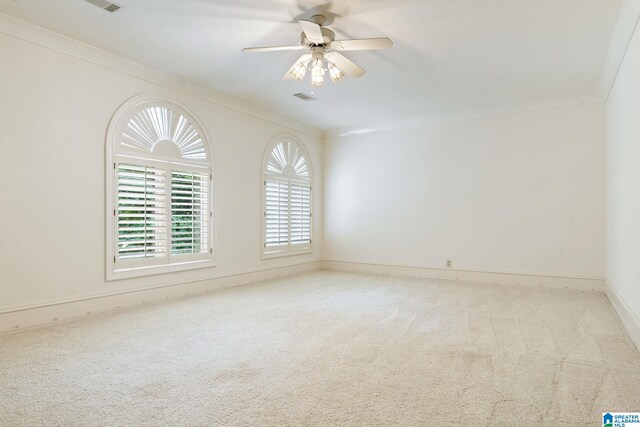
287,198
159,184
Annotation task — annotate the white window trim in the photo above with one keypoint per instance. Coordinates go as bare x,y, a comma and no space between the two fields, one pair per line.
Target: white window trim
285,251
113,272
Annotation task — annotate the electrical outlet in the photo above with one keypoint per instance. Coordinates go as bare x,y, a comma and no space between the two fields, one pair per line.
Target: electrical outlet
449,263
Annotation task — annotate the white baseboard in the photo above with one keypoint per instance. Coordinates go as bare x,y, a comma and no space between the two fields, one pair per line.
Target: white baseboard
630,319
581,283
25,317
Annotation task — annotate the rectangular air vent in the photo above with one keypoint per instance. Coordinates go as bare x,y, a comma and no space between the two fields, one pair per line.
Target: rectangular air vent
106,5
305,97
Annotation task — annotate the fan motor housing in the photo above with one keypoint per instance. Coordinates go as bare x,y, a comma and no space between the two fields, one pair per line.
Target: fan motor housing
327,35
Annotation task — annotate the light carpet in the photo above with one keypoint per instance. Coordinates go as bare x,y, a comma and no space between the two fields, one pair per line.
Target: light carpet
329,348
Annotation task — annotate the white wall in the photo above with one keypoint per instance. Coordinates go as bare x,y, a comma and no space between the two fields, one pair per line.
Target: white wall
54,113
520,193
623,187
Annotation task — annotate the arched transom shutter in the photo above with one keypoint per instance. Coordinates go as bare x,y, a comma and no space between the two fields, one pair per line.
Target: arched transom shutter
153,125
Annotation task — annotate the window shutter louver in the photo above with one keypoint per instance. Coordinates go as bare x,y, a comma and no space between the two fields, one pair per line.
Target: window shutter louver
189,213
276,213
140,212
300,214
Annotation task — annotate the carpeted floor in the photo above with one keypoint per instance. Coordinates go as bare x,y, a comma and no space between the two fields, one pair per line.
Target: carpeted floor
326,349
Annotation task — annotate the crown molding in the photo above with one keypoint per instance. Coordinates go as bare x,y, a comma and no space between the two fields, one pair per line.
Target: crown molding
623,33
474,114
40,36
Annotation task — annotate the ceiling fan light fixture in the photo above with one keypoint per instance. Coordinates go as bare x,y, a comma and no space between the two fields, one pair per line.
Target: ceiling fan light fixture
317,76
317,71
317,63
298,72
335,72
322,46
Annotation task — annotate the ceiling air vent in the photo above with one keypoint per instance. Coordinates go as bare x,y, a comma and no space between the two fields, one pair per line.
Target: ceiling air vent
106,5
305,97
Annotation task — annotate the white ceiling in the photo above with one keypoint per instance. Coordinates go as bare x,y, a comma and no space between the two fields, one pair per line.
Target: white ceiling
449,55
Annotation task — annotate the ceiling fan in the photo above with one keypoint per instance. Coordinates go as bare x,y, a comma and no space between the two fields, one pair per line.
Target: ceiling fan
324,52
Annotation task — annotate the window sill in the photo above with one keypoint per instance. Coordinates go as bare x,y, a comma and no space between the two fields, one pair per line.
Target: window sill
127,273
286,252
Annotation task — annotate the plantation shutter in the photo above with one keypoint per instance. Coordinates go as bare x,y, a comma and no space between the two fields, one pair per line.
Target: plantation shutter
189,212
140,212
287,199
276,213
300,214
159,193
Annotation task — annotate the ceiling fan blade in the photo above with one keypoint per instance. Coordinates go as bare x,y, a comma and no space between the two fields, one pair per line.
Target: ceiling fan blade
348,67
272,48
303,58
312,31
362,44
